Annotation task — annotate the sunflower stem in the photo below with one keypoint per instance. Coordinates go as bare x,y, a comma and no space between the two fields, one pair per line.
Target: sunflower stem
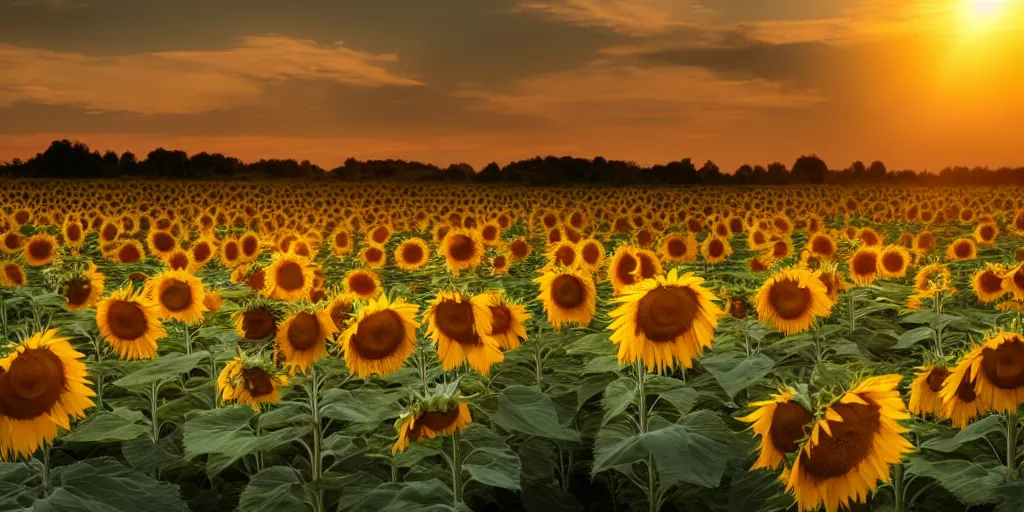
3,313
641,386
852,308
897,488
316,464
938,325
1011,443
421,359
456,463
213,379
153,393
46,469
188,339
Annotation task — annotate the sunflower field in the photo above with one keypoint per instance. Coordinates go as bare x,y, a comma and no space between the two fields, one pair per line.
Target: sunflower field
311,346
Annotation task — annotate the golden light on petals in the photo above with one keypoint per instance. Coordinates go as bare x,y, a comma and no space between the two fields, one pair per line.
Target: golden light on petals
792,299
461,328
129,321
568,296
380,338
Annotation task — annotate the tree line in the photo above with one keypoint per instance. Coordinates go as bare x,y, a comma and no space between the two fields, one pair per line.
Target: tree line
74,160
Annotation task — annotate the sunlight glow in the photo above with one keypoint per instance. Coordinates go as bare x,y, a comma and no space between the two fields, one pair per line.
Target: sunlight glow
983,10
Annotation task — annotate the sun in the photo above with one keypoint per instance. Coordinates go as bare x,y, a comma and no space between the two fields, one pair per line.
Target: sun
983,10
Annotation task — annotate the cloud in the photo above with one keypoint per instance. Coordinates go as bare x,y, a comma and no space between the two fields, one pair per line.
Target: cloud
185,82
53,5
612,91
634,17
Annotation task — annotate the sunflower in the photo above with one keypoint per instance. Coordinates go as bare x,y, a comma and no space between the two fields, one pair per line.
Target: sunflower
212,300
249,244
288,277
230,253
374,256
591,253
988,282
961,249
715,249
519,249
364,284
255,322
130,251
43,384
679,248
499,264
250,384
924,242
851,446
12,242
84,290
161,243
507,320
924,391
1013,281
791,299
428,423
179,295
130,323
12,275
412,254
179,259
864,265
302,339
893,261
340,307
569,296
935,277
40,249
664,321
461,327
622,269
822,246
462,249
997,367
202,251
780,422
986,233
960,400
341,242
380,338
73,234
563,253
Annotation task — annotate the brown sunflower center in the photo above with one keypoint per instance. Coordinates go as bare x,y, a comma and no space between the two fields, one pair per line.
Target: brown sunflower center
780,249
178,261
625,267
962,249
565,255
379,335
716,248
738,308
965,390
40,249
489,233
892,261
129,254
22,217
341,239
926,241
258,323
789,299
412,253
77,292
455,320
590,253
32,385
231,250
14,274
1004,365
864,263
74,232
202,251
519,249
1018,278
990,282
289,276
987,232
869,238
257,280
304,331
163,242
647,266
568,292
788,424
109,232
361,284
667,312
340,312
759,237
257,382
249,245
438,421
176,295
676,247
461,248
850,444
935,379
127,320
501,320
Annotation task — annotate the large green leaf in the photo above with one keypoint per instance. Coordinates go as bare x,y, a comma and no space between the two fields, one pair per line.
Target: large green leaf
496,468
16,479
974,431
696,450
971,483
526,410
547,498
224,434
366,406
275,489
427,496
913,337
104,484
121,424
617,397
596,344
735,372
163,368
757,491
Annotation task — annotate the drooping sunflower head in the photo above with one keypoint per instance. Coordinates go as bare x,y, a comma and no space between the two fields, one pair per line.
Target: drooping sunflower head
40,249
212,300
43,383
302,338
364,284
1013,281
792,299
893,261
462,249
130,322
962,249
381,337
255,321
82,291
664,321
461,328
179,295
988,283
250,382
864,265
780,422
436,418
959,393
288,277
852,443
924,391
998,369
412,254
568,296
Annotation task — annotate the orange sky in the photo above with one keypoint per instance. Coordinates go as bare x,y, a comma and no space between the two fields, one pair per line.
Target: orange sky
919,84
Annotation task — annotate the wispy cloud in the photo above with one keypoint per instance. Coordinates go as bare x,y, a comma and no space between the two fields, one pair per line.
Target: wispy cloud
634,17
185,82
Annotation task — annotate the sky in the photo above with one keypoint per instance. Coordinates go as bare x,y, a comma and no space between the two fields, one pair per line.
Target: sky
920,84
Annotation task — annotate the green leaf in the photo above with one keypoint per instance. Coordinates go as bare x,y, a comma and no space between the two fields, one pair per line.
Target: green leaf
223,433
591,385
974,431
735,372
526,410
121,424
427,496
602,364
163,368
682,398
617,397
104,484
757,491
596,344
546,498
496,468
972,484
913,337
695,450
366,406
275,489
143,455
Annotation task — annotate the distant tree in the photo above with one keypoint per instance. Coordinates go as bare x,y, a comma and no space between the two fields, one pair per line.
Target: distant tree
877,171
777,174
744,175
709,174
809,169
